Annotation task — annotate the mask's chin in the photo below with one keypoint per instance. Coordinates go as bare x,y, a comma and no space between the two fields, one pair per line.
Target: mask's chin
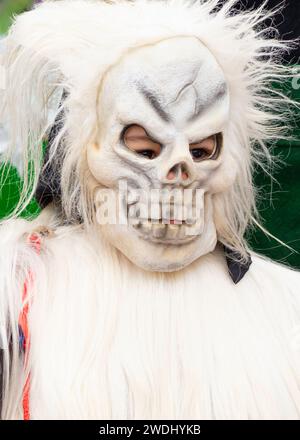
163,254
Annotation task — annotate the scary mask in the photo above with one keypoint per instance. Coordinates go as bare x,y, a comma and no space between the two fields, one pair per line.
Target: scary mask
162,125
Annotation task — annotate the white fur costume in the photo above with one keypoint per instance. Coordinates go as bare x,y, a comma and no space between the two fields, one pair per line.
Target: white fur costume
112,335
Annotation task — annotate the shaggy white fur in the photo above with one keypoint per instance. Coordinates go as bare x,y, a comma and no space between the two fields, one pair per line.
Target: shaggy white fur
109,340
112,341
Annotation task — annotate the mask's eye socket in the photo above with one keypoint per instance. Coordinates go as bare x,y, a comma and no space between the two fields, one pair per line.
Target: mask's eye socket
207,148
136,139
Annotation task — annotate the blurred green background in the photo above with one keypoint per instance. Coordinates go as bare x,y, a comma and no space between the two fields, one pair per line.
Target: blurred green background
279,207
10,7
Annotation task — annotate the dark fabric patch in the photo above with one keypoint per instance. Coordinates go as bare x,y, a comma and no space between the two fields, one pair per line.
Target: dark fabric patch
237,269
49,189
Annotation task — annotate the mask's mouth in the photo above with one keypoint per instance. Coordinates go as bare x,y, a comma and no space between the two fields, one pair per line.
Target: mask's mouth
168,234
166,227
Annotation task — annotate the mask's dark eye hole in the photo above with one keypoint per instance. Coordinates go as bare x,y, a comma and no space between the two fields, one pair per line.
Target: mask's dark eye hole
150,154
207,148
198,153
136,139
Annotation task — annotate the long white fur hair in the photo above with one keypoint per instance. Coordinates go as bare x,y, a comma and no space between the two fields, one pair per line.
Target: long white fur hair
62,47
69,47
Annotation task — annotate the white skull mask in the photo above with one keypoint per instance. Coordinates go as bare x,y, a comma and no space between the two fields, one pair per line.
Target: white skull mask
163,111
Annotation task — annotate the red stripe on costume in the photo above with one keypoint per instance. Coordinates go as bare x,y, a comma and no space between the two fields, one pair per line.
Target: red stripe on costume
35,241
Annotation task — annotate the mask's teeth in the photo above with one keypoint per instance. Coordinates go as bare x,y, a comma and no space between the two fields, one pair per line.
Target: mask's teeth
172,232
173,214
133,214
159,231
155,212
195,229
190,221
181,233
146,228
163,221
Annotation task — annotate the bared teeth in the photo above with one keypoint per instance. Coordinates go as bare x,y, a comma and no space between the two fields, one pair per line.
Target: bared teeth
169,232
162,214
172,232
133,213
174,221
146,228
159,231
173,214
195,229
155,212
163,222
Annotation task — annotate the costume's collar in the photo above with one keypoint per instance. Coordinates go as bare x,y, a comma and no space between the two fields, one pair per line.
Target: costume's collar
237,267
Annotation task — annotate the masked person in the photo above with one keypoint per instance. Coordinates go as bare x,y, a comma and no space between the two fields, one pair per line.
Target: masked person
132,295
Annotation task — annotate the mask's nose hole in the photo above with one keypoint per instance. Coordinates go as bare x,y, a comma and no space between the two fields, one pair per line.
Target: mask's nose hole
179,172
